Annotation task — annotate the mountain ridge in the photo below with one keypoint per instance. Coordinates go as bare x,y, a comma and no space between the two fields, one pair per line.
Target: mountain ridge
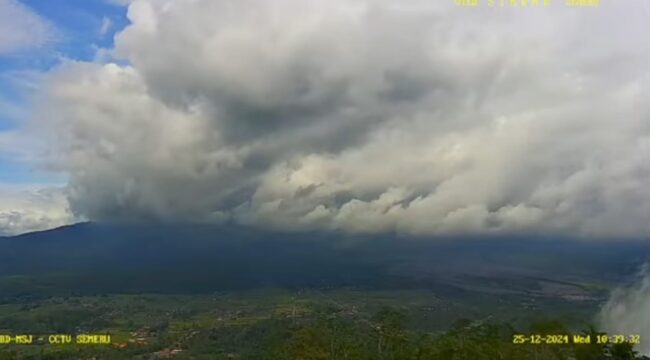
100,257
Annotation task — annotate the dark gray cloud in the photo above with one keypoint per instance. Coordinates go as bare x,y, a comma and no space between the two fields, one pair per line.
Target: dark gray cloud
362,115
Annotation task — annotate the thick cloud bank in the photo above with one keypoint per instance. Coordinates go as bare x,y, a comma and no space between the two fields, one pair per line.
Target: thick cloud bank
362,115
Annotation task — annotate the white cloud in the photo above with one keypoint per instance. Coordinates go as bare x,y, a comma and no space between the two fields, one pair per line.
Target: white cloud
27,208
22,29
363,116
628,311
106,25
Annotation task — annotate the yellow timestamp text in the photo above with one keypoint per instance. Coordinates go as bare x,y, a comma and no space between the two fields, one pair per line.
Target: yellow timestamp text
576,339
526,3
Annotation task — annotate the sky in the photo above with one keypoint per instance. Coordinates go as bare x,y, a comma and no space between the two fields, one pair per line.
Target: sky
35,38
419,117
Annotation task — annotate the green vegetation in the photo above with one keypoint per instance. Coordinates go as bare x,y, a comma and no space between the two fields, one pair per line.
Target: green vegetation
280,324
258,295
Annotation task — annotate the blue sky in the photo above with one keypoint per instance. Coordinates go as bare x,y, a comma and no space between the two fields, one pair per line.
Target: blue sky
73,29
